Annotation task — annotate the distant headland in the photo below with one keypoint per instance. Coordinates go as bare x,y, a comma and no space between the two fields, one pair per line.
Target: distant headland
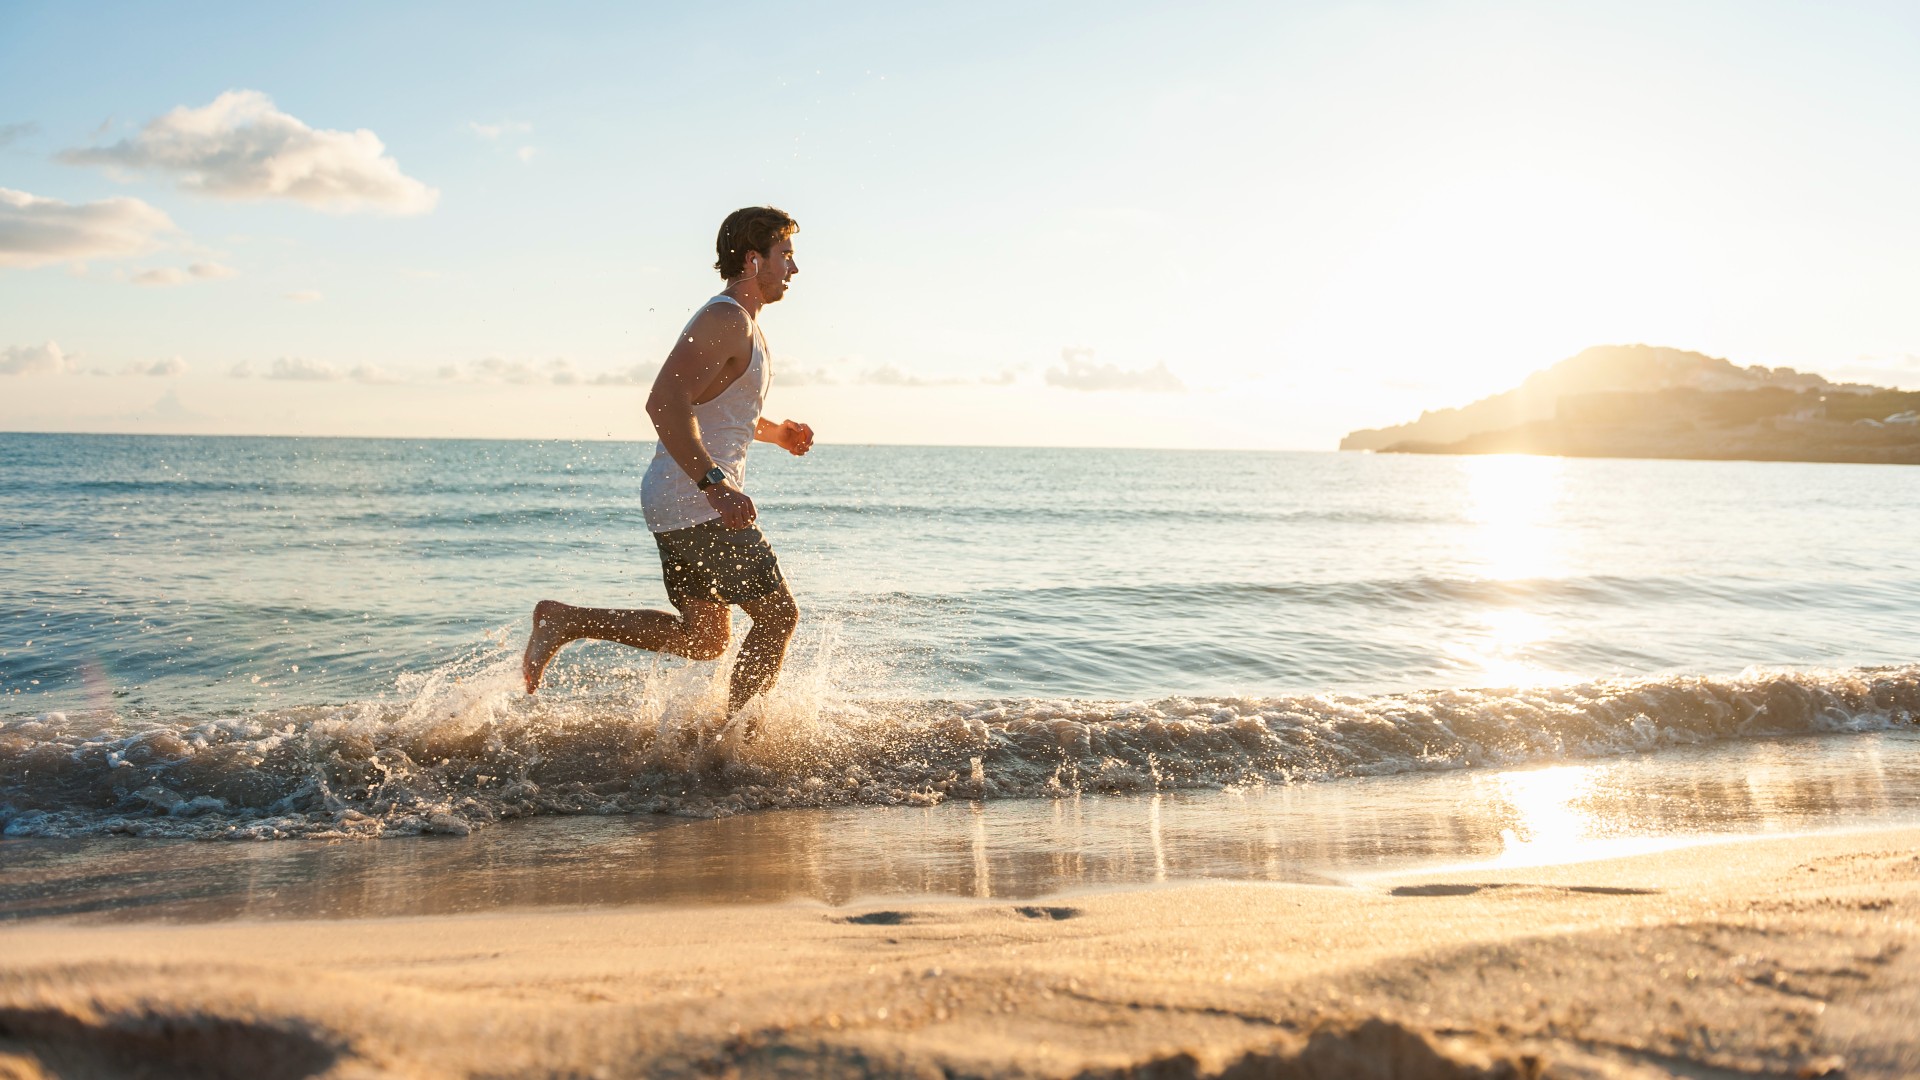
1642,401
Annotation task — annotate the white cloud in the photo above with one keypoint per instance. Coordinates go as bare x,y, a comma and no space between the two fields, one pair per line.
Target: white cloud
171,275
306,296
163,276
170,407
166,368
11,133
36,231
889,375
799,376
1079,372
242,147
559,371
504,127
637,375
48,359
300,369
373,376
494,368
495,132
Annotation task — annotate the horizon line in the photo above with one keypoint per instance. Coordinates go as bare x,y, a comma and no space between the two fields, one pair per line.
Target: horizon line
609,439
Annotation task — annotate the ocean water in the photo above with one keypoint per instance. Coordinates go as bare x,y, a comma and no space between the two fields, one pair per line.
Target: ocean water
264,638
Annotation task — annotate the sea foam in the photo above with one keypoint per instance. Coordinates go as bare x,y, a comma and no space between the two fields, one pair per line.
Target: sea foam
462,747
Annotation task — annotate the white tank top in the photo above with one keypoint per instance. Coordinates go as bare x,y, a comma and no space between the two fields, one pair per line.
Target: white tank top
668,496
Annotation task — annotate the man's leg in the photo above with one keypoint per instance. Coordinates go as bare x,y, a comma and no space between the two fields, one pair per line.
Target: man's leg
699,632
765,646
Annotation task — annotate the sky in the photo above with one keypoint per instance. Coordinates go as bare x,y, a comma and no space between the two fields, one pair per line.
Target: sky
1226,225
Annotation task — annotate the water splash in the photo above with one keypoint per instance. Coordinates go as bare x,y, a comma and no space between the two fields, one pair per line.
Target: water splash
461,747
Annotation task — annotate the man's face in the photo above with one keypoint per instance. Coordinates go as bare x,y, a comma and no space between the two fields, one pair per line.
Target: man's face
776,270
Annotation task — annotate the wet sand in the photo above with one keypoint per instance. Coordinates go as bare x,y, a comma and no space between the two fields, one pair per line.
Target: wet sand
1777,956
1003,849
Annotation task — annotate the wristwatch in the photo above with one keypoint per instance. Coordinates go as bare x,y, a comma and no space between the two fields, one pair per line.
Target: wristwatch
715,475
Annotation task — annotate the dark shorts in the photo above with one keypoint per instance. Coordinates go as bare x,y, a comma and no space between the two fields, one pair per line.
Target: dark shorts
714,563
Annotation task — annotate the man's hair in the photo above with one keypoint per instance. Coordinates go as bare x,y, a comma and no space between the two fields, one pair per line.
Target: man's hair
750,228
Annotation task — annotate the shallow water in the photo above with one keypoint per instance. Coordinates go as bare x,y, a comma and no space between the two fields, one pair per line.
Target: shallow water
276,638
187,576
1329,833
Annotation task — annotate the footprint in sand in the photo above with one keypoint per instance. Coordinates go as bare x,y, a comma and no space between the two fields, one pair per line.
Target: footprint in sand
1449,889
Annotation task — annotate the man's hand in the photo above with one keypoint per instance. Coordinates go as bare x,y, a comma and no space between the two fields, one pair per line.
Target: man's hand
792,436
736,509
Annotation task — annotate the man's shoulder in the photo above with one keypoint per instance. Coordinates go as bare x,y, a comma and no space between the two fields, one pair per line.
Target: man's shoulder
721,315
722,326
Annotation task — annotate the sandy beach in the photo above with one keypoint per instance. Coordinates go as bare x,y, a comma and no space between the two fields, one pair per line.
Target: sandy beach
1765,957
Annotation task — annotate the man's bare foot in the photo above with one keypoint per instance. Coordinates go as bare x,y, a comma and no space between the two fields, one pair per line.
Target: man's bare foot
747,720
542,643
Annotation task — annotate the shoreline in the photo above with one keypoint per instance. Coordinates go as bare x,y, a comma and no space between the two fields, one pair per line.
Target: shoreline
1023,850
1784,955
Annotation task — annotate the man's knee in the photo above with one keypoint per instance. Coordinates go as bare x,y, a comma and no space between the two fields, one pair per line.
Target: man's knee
776,613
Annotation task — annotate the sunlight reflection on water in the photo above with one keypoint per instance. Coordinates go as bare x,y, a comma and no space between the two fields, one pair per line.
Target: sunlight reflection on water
1324,833
1515,504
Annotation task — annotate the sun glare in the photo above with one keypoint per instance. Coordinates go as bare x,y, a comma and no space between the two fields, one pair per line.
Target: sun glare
1512,501
1501,651
1511,505
1547,824
1489,271
1550,819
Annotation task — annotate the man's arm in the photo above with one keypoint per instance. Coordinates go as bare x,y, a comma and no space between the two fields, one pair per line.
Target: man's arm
696,363
792,436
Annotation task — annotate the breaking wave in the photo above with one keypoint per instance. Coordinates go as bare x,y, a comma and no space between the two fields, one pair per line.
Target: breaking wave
461,747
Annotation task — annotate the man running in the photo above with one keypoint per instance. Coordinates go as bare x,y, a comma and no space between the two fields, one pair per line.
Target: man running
706,405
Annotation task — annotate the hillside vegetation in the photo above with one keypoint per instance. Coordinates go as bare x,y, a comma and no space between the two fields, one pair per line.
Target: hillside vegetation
1644,401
